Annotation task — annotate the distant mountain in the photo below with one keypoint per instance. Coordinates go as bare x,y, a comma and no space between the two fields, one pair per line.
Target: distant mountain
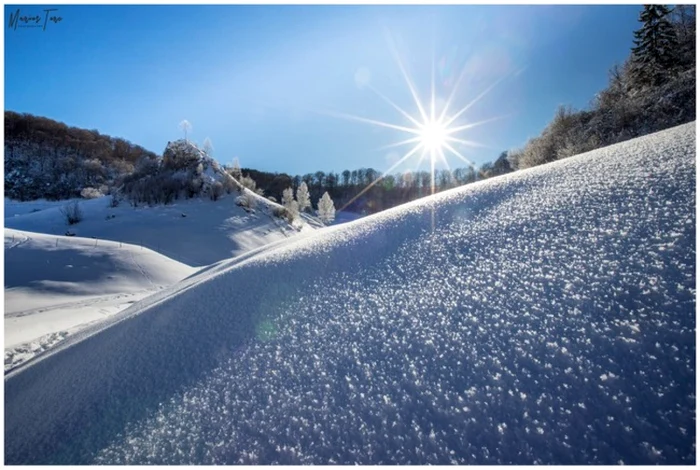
48,159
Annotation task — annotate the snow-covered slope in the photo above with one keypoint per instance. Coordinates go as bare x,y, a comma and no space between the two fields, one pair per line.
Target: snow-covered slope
546,316
54,286
209,231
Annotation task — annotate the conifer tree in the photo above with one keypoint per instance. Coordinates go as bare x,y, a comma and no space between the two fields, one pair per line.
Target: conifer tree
655,46
303,198
326,209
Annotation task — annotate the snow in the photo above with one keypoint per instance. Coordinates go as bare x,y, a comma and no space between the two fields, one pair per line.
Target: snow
472,327
210,231
55,286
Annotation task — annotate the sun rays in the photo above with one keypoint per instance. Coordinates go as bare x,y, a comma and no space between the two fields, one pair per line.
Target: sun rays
432,132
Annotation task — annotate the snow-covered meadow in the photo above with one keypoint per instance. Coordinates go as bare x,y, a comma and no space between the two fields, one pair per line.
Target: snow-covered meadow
55,286
546,316
196,232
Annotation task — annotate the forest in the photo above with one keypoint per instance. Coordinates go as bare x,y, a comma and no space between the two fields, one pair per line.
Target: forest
48,159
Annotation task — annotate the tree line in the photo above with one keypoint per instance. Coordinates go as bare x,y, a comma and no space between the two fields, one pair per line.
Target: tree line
385,191
654,89
48,159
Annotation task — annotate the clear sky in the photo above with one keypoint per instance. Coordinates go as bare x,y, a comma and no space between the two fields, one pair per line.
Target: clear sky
265,83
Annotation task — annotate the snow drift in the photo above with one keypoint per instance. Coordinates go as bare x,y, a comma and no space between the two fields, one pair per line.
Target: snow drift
546,316
56,285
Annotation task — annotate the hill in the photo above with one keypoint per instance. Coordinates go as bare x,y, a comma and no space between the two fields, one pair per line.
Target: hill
195,231
546,316
48,159
55,286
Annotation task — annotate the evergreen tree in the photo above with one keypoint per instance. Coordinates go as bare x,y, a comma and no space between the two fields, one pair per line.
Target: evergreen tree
655,46
303,197
326,209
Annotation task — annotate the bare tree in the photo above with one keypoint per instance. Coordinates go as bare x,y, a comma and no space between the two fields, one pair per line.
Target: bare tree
185,127
236,169
208,147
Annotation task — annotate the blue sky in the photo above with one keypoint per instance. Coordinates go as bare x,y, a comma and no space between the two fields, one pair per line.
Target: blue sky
262,82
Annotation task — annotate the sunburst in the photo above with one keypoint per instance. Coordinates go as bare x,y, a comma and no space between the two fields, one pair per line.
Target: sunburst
433,135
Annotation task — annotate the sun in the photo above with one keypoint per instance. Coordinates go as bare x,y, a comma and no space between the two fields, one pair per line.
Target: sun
432,134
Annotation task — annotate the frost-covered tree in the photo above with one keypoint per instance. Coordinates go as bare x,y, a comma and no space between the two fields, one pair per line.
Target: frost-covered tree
683,20
216,190
303,198
287,197
207,147
185,127
292,211
236,169
655,46
326,209
248,182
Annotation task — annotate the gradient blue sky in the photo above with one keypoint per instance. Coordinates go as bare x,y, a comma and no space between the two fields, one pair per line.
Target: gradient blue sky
258,80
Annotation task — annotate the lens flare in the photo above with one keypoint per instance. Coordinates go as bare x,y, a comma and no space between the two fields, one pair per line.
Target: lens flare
432,133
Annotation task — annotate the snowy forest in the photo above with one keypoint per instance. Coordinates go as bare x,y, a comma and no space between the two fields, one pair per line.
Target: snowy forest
653,89
48,159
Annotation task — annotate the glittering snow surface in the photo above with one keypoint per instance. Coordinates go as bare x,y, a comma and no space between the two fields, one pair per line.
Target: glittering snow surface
546,316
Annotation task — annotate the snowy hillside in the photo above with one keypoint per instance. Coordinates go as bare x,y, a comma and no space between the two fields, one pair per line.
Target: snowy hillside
208,232
546,316
54,286
196,231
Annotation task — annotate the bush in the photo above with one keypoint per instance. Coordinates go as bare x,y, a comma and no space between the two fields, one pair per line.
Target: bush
229,184
72,213
90,193
247,200
292,211
248,182
114,201
279,211
216,190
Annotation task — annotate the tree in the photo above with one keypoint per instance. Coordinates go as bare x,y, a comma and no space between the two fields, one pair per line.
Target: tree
303,198
346,177
236,169
501,166
326,209
683,20
207,147
292,211
185,127
287,197
655,46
